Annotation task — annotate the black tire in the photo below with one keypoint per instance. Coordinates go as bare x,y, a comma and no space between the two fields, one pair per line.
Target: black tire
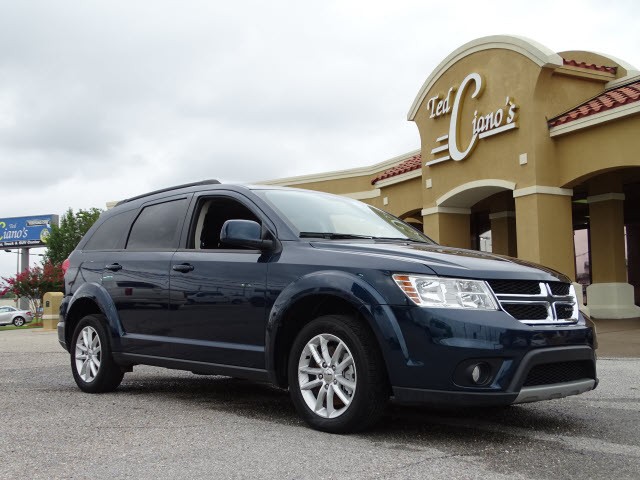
371,391
108,375
18,321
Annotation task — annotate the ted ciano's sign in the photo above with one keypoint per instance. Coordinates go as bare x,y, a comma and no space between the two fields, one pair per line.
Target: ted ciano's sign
20,232
482,125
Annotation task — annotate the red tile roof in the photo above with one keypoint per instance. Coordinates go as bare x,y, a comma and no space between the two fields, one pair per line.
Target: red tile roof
589,66
409,165
613,98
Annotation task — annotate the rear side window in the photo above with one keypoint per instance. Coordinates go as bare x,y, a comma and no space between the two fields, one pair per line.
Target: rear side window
158,225
110,235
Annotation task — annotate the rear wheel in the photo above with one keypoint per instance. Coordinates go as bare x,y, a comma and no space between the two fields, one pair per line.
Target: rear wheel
91,361
18,321
336,375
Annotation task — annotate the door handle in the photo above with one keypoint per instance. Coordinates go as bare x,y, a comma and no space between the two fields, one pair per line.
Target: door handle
183,267
114,267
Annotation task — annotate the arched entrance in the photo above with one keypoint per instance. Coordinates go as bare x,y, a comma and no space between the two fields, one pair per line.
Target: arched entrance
606,222
478,215
413,218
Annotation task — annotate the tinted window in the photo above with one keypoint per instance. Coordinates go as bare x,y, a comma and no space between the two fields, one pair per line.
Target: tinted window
158,225
110,234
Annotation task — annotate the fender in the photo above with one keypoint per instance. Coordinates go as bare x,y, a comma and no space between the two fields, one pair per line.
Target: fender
355,290
99,295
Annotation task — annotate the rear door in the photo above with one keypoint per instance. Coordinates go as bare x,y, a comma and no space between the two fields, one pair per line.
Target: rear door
137,278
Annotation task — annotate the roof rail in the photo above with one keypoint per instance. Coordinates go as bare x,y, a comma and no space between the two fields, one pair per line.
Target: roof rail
168,189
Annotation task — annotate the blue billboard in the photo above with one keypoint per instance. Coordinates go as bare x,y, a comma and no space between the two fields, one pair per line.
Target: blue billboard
21,232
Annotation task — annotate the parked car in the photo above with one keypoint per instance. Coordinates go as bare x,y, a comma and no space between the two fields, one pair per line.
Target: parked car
342,303
11,315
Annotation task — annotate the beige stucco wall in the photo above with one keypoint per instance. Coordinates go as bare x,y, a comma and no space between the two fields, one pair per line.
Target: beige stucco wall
540,93
402,197
492,158
604,147
339,186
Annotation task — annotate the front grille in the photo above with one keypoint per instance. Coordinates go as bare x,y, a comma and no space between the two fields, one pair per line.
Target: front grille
561,372
526,311
515,287
535,302
559,289
564,310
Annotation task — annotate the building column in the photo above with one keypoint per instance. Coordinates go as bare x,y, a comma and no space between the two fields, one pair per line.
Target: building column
503,233
609,295
23,303
544,227
448,226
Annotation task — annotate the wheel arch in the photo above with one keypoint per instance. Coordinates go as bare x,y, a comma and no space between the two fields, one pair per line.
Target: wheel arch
89,299
326,293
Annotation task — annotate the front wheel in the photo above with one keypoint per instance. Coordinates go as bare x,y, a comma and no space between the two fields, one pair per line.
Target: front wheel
93,367
18,321
336,375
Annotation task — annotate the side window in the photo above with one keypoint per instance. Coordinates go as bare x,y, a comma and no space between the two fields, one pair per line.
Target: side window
158,225
109,235
212,213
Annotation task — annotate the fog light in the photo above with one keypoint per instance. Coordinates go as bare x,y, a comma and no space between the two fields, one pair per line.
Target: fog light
477,372
480,373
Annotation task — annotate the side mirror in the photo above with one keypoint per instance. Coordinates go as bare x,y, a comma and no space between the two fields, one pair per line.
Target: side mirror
244,233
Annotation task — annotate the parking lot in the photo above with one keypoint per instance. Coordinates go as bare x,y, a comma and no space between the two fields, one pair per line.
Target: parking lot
170,424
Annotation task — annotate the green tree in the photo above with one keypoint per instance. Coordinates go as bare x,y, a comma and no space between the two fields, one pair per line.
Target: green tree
33,283
64,238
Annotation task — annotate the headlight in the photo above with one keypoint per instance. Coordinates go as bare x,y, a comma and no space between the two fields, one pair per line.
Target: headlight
446,292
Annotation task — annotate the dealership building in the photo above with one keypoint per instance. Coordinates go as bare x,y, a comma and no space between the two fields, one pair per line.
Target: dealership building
524,152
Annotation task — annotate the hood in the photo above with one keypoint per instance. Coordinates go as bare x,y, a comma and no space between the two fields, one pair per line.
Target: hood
449,261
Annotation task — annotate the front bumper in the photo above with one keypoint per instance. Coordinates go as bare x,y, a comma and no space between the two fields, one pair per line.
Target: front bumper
526,363
516,391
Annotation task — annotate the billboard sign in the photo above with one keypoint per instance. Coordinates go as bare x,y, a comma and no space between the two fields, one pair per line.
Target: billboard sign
24,232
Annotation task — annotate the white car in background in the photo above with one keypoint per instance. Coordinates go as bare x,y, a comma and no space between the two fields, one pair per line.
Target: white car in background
11,315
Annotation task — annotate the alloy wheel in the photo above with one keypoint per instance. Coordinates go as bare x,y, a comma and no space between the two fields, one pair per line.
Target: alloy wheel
327,376
88,354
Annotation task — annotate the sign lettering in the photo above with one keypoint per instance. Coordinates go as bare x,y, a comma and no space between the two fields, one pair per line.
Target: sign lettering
482,125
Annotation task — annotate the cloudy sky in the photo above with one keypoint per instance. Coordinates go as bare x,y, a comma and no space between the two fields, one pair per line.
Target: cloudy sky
104,100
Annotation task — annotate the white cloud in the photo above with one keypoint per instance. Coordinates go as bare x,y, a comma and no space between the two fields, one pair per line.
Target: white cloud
104,100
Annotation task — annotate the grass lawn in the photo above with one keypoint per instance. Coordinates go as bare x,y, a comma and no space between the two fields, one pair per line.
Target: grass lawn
34,324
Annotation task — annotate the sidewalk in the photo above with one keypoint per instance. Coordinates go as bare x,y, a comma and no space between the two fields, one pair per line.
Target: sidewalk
618,338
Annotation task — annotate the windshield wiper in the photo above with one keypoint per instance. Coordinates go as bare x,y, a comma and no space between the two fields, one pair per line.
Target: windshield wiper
399,239
333,236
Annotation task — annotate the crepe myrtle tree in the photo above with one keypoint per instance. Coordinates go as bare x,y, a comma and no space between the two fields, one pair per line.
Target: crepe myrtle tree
33,283
64,238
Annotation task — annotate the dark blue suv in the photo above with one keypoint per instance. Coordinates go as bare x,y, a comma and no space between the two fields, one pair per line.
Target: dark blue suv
341,302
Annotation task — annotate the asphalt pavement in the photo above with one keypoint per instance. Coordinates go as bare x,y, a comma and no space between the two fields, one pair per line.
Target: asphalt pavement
170,424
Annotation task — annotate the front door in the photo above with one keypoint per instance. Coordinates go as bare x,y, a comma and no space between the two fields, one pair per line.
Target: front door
218,293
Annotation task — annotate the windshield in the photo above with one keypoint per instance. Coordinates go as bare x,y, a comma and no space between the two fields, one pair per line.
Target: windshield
321,215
